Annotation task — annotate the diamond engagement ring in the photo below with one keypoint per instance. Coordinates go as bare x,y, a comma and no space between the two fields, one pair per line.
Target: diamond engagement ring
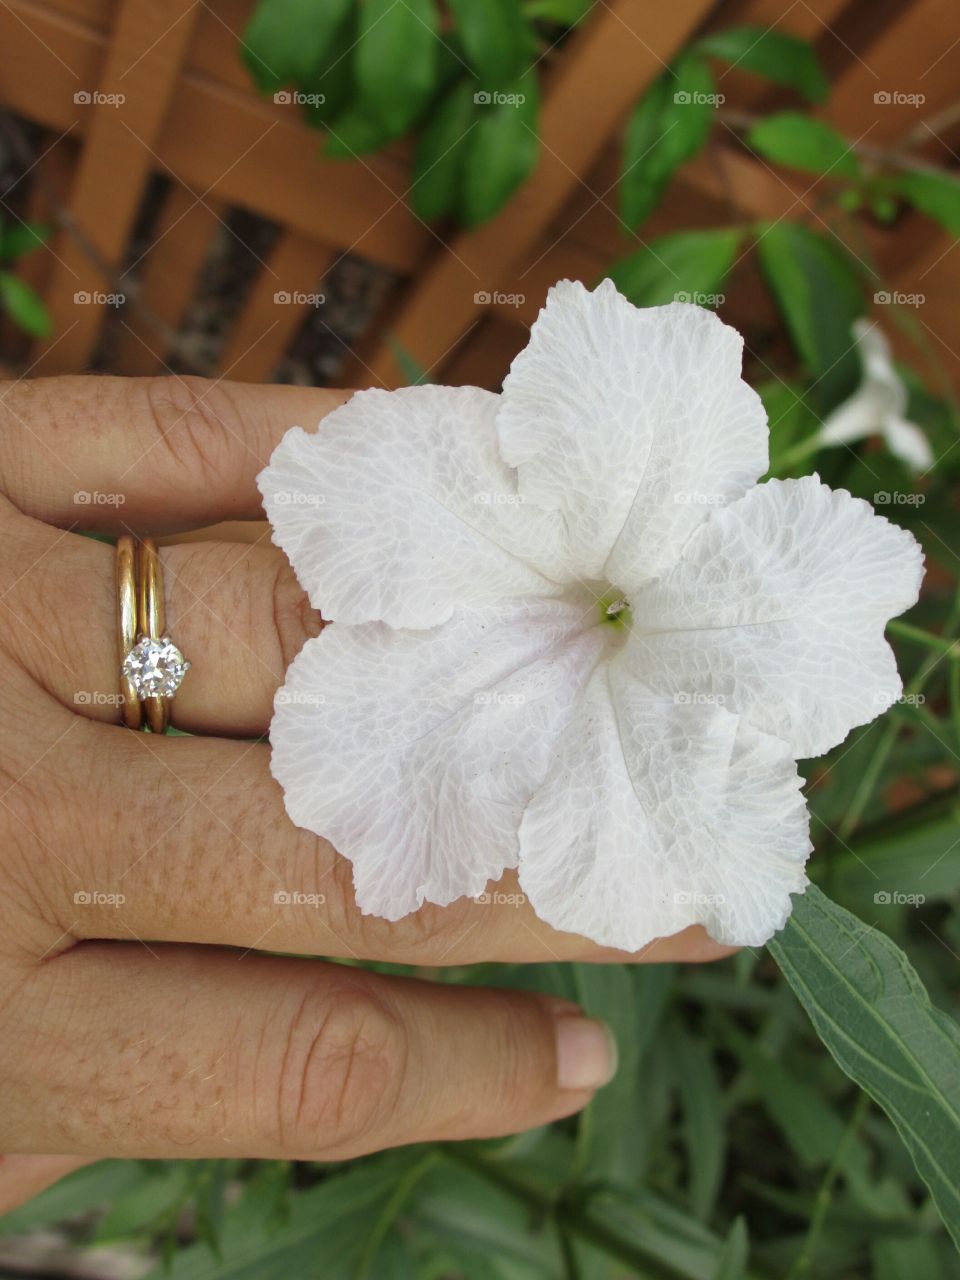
151,666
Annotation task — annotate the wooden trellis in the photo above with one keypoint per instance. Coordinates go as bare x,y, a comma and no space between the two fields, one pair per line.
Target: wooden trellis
189,112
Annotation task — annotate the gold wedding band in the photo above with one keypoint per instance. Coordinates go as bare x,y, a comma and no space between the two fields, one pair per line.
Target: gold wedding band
151,665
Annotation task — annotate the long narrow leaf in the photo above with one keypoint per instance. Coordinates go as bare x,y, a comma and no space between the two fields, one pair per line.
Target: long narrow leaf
874,1015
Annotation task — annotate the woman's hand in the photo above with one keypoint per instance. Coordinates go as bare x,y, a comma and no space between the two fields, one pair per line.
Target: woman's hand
143,879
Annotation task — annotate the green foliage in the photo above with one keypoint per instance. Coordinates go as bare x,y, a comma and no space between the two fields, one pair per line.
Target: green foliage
777,56
819,290
935,194
23,305
17,299
871,1011
501,152
685,266
803,142
668,126
369,73
286,40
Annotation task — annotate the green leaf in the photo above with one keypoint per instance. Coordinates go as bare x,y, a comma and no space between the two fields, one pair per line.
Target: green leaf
631,1002
24,306
818,289
872,1012
396,60
145,1200
331,78
324,1234
285,40
502,150
703,1119
90,1188
810,1125
782,58
496,39
21,239
567,12
684,266
733,1260
668,126
802,142
935,194
440,156
356,133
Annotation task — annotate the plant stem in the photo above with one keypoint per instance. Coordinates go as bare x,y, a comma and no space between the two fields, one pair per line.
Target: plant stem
821,1204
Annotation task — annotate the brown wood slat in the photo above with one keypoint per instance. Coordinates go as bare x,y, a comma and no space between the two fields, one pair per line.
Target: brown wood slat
266,325
144,59
167,285
912,55
604,69
231,143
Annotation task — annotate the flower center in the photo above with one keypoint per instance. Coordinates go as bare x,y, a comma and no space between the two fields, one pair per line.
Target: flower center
615,609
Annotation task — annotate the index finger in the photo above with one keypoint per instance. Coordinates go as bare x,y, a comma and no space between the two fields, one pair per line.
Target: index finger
154,454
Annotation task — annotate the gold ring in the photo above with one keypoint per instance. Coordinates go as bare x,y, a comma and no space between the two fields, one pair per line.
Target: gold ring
153,667
127,628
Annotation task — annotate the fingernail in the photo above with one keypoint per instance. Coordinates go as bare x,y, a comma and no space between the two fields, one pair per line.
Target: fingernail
586,1053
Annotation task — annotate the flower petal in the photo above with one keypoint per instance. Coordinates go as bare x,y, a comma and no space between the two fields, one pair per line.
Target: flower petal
777,610
908,442
399,509
414,752
656,816
630,423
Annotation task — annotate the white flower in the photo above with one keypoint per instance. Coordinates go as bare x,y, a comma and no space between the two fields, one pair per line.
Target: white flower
878,405
571,634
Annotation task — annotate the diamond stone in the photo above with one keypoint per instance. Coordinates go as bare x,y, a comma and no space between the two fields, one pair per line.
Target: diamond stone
155,667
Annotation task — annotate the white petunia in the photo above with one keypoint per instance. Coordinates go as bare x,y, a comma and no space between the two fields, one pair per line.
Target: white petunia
879,405
570,634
